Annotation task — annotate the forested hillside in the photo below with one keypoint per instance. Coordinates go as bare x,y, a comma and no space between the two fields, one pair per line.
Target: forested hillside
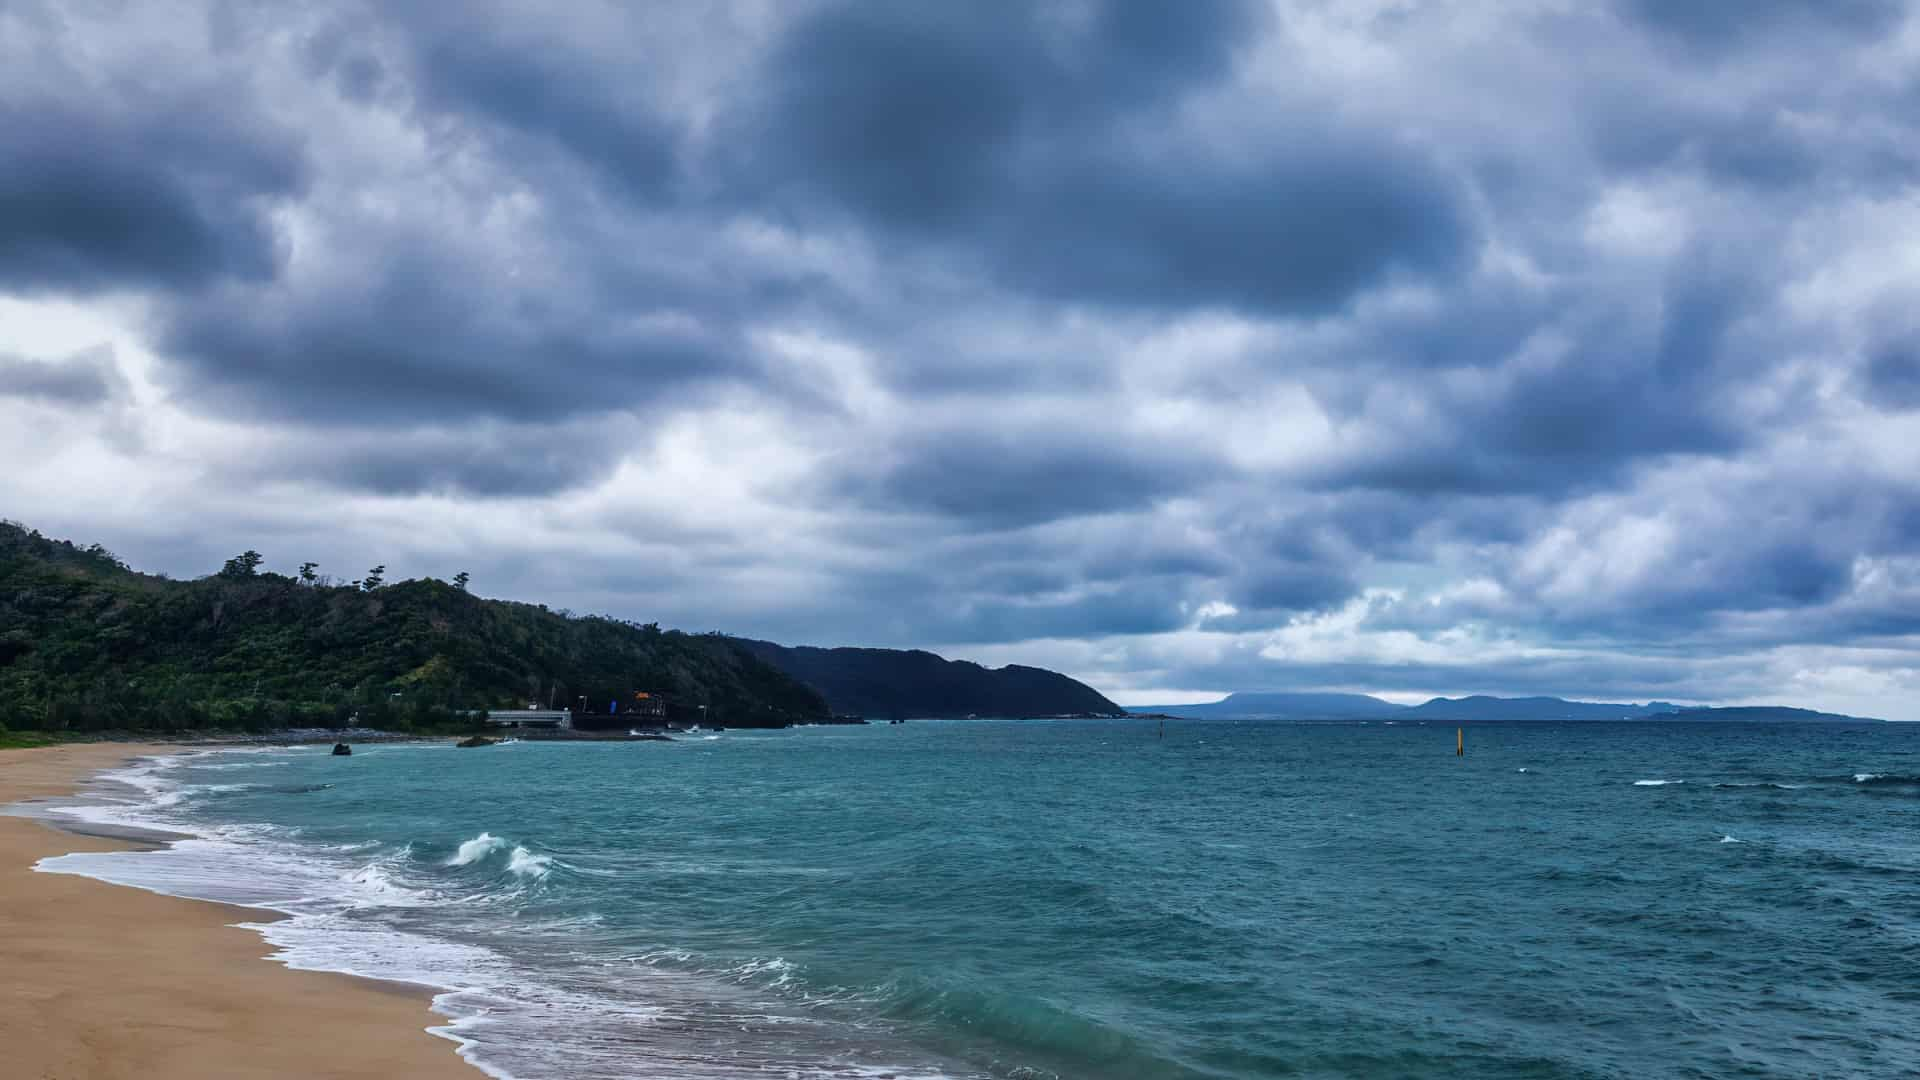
904,683
88,644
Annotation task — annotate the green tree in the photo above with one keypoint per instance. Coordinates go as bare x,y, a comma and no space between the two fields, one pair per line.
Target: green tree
243,565
460,581
307,572
375,578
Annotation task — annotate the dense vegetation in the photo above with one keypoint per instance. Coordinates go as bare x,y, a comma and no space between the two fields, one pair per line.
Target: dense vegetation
87,644
895,682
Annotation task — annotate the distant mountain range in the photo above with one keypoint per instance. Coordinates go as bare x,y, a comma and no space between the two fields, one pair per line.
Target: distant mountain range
1480,708
1283,706
913,683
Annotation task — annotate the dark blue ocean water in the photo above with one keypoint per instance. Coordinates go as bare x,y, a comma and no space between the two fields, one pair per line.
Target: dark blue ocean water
1086,900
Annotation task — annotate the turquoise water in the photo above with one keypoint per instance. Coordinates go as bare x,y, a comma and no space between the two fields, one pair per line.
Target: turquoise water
1086,900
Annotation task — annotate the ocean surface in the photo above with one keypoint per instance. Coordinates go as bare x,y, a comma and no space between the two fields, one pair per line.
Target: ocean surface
1087,900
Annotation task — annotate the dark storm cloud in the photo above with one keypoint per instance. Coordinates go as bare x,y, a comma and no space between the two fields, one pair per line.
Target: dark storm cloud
1013,480
909,111
90,378
477,460
539,93
1624,387
1283,587
167,194
931,604
336,52
1893,375
1143,607
1721,25
1570,345
1048,149
413,333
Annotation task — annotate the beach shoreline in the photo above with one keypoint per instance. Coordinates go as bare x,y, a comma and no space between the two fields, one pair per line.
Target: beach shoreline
104,981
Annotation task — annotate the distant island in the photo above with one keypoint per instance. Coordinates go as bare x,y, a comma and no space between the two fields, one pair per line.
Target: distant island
912,683
1479,708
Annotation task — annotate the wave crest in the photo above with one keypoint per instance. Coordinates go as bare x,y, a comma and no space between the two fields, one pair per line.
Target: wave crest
524,863
520,862
472,851
1886,779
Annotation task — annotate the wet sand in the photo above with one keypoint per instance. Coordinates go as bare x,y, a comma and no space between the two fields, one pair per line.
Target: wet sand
99,982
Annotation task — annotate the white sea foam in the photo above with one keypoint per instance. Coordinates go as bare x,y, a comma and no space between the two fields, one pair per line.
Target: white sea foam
525,863
218,789
478,848
1865,777
1656,783
775,970
1731,840
377,884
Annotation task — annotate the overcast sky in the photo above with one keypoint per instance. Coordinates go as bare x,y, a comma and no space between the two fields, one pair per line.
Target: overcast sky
1418,348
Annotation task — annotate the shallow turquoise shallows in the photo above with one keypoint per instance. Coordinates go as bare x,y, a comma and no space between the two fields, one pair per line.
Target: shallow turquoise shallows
1088,900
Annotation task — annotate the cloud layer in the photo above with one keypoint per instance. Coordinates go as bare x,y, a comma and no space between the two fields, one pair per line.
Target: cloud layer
1427,349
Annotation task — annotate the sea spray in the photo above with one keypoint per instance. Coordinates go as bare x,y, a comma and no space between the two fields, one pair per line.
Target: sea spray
472,851
524,863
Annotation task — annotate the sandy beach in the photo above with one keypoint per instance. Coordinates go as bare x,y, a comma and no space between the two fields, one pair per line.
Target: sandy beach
99,981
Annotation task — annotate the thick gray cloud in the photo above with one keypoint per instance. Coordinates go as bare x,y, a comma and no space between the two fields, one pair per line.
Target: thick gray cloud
1222,346
1046,148
1893,375
89,378
1725,24
983,479
410,332
172,194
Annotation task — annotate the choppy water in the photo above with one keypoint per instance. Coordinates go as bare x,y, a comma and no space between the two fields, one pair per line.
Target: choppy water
1085,900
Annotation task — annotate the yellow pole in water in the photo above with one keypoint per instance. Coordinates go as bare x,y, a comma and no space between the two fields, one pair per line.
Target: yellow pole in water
1460,747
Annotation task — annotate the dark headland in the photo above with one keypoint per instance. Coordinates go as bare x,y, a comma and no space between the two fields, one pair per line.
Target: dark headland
914,683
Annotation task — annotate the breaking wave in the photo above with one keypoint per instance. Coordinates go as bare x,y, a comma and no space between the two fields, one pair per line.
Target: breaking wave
525,863
1886,780
472,851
